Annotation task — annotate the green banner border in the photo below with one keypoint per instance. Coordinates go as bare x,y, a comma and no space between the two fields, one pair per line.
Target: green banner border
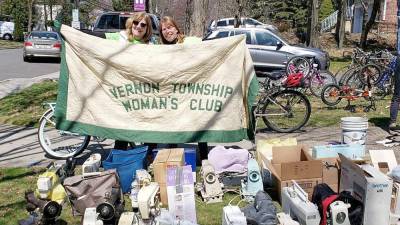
146,136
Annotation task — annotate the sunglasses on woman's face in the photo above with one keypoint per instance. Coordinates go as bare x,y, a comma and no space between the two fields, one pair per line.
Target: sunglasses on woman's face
142,25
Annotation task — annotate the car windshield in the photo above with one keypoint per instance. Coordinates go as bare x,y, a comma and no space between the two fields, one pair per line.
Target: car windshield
44,35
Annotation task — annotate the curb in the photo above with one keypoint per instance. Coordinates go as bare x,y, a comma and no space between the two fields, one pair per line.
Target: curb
10,86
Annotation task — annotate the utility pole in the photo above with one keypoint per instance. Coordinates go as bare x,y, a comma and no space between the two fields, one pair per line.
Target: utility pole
75,16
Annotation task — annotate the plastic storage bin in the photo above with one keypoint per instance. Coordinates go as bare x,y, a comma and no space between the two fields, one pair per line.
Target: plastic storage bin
126,163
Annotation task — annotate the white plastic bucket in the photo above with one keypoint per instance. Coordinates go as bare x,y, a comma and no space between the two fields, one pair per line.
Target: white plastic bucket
354,130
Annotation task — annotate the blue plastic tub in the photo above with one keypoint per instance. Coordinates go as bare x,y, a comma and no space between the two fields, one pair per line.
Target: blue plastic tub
351,151
126,163
190,156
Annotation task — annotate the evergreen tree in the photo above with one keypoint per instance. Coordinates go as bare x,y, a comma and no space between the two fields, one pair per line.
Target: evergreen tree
326,9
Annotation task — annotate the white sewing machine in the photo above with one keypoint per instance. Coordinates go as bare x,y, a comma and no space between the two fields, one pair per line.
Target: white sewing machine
148,202
91,217
295,203
92,164
211,190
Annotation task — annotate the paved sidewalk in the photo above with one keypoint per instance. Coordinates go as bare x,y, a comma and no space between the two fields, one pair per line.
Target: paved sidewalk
16,84
19,146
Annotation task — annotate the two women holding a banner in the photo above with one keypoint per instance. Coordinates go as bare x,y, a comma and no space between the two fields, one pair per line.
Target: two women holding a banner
139,31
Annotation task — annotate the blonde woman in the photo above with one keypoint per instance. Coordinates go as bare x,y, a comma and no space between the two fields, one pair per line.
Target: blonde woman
171,34
138,30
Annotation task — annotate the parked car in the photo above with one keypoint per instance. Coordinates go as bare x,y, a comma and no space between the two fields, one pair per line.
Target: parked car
244,22
6,30
110,22
42,44
270,51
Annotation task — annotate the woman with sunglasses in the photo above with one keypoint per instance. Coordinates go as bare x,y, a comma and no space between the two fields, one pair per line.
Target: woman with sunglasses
138,30
171,34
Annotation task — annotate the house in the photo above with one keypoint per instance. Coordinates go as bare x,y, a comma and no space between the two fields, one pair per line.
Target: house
386,18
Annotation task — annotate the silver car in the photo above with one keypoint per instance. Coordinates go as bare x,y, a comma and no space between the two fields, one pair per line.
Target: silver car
270,51
42,44
244,22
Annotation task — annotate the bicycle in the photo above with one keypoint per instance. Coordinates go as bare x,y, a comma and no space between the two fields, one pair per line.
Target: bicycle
282,110
60,144
332,94
315,80
382,82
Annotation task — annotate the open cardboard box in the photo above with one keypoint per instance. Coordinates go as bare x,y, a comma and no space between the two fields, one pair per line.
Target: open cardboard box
293,163
370,186
166,158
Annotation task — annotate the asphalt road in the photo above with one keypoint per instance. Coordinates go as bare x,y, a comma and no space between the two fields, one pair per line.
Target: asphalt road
13,66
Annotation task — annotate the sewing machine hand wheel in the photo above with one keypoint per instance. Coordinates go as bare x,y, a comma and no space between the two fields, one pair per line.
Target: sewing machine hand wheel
210,178
254,176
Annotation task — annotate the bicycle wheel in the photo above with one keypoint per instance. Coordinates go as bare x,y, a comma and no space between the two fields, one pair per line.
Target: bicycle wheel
298,64
354,81
369,74
342,71
59,144
345,76
330,94
286,111
319,80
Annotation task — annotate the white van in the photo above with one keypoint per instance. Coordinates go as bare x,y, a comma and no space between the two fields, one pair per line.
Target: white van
6,30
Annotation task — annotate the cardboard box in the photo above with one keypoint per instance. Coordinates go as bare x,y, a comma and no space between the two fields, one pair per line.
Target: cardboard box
166,158
371,187
330,173
383,160
294,163
264,146
180,189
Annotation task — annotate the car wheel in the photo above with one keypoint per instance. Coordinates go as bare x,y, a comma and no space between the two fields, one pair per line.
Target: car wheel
7,37
26,58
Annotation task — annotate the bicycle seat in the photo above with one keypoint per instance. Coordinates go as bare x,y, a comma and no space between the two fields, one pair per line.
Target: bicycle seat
274,75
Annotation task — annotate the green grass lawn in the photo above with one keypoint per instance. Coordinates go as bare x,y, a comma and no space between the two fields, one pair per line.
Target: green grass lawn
15,181
337,64
25,107
10,44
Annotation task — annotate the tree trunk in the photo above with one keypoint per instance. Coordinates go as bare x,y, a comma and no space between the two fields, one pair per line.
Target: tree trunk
188,13
368,25
30,9
313,26
398,27
45,15
51,10
198,18
341,23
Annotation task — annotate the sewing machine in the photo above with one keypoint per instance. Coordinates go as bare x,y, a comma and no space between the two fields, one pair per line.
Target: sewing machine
285,219
148,205
253,183
142,178
339,214
233,215
211,190
92,164
91,217
295,203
